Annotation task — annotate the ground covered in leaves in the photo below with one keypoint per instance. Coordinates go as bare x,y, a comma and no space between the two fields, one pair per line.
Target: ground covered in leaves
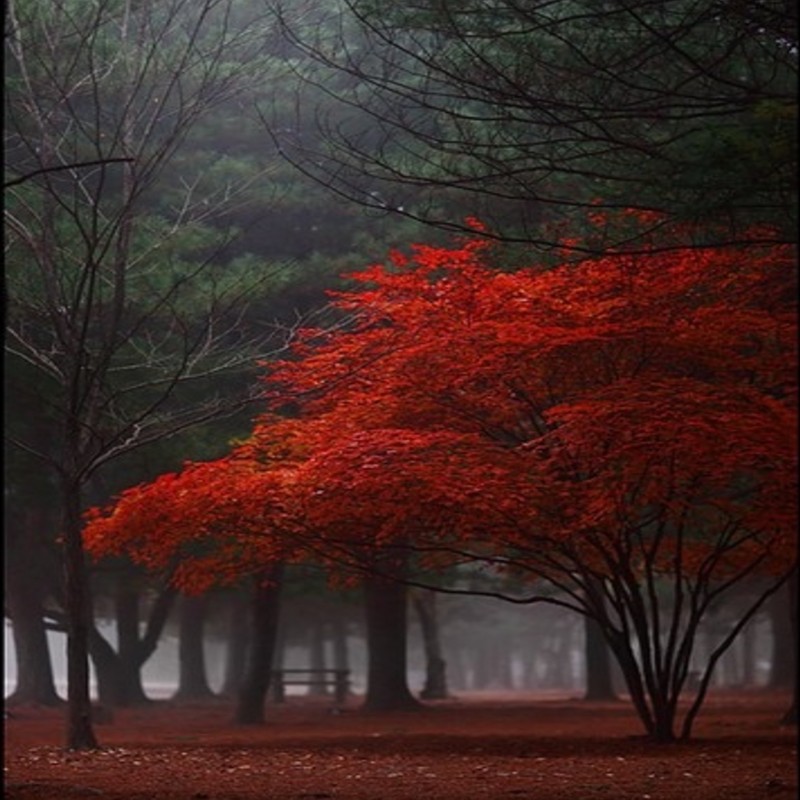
491,747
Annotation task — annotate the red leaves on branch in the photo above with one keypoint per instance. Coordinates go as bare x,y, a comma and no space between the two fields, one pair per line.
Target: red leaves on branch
210,523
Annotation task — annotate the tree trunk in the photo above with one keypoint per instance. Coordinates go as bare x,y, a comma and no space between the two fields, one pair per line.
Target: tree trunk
130,689
80,735
264,617
748,655
119,672
35,682
341,655
192,679
599,683
316,654
435,667
386,618
504,669
106,668
790,717
784,659
25,574
236,654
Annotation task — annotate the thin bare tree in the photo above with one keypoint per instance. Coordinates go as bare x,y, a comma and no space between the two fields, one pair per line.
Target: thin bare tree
120,300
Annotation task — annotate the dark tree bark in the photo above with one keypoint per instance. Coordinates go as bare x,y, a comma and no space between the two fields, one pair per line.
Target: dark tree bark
35,682
131,691
435,666
784,659
237,645
25,608
264,618
119,672
106,667
386,618
790,717
192,679
599,682
80,734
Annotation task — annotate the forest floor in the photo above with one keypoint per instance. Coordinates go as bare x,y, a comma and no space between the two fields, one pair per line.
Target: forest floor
492,747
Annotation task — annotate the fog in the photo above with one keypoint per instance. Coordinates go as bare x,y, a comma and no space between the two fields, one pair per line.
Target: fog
488,645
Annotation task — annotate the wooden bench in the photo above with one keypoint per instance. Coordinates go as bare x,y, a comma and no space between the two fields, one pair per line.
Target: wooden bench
338,678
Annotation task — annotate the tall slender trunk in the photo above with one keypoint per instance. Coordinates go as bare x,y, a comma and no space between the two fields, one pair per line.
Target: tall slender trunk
80,734
264,618
192,678
784,659
386,618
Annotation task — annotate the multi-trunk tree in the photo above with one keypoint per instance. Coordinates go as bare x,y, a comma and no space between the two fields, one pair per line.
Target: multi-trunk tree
620,430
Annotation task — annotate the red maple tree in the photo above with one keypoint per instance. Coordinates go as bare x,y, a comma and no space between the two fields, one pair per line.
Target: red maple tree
620,428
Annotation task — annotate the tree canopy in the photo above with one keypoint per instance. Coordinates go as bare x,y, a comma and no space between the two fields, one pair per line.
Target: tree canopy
525,112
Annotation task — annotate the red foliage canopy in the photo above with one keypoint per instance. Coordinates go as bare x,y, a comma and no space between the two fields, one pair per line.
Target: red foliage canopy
641,398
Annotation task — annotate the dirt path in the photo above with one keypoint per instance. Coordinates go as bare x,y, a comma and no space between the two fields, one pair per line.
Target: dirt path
487,747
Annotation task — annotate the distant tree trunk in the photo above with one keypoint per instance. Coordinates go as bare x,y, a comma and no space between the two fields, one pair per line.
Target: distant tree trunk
192,678
237,645
784,659
556,662
341,655
316,654
119,672
106,668
26,529
131,690
748,636
435,674
790,717
529,662
599,682
457,670
481,668
386,618
35,682
264,618
503,667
